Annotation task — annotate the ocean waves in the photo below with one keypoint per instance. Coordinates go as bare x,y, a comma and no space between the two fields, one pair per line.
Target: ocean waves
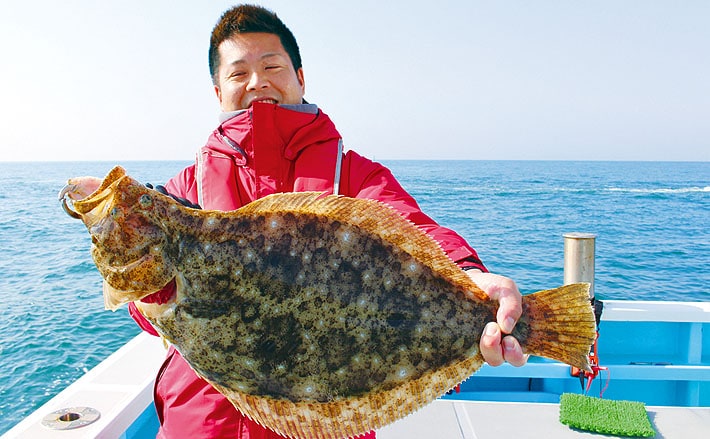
684,190
651,221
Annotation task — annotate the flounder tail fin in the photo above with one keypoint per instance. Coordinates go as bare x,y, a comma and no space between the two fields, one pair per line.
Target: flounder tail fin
558,324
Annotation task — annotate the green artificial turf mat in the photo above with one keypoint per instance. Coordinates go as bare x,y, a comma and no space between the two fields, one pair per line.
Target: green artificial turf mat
621,418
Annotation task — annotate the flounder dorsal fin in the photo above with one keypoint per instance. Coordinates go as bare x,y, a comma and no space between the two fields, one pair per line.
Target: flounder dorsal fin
375,217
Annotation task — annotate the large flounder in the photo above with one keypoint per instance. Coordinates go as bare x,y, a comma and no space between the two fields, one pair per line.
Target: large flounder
317,316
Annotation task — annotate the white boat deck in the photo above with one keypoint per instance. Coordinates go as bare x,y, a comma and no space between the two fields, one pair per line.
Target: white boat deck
120,388
447,419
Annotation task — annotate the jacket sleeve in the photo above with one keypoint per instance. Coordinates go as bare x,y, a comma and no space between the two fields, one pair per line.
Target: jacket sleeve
363,178
183,184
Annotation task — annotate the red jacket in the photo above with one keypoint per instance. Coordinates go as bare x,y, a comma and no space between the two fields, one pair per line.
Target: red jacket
261,151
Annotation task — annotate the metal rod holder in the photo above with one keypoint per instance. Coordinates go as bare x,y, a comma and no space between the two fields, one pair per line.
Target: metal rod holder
579,259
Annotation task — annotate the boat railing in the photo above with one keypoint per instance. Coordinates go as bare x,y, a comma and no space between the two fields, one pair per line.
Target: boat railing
103,403
653,351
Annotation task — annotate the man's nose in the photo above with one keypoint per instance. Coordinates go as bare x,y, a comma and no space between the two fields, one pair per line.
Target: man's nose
257,81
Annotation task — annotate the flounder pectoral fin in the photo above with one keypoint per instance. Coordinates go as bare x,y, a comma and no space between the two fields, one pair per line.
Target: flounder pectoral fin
113,298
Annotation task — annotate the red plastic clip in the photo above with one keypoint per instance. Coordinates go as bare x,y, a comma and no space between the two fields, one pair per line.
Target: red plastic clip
596,368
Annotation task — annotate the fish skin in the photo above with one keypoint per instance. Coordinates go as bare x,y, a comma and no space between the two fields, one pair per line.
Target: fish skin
316,316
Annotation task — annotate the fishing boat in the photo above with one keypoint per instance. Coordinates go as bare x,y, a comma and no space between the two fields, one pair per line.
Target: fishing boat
654,352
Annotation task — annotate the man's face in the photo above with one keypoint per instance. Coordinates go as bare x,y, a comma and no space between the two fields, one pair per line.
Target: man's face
255,67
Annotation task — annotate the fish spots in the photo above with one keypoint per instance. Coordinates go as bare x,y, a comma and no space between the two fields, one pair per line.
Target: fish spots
309,309
308,231
145,201
249,312
376,360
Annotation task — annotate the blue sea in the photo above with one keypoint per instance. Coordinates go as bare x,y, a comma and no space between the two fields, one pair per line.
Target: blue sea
652,222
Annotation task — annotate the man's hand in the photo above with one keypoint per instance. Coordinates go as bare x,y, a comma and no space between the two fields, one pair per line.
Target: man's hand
495,347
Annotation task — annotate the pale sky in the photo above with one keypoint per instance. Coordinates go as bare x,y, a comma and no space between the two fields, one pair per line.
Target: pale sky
515,79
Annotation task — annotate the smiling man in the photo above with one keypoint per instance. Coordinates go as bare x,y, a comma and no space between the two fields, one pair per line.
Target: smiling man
271,140
254,67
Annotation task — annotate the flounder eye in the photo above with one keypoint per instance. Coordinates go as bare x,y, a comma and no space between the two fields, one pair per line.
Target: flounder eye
145,200
116,213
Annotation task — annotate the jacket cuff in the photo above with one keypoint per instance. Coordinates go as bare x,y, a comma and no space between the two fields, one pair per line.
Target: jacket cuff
159,297
471,263
140,320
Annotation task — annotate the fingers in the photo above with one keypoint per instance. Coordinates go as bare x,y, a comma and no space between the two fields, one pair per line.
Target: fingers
491,347
512,352
510,307
495,346
505,292
184,201
497,351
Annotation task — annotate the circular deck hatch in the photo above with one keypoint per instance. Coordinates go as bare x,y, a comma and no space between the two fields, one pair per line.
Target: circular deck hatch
70,418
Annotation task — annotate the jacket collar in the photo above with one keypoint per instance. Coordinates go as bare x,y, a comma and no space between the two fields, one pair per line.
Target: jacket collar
301,108
278,130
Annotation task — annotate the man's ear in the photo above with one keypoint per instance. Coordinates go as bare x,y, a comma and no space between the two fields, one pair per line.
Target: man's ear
301,80
218,92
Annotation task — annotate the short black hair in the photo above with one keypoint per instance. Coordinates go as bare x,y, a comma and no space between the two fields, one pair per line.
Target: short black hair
246,19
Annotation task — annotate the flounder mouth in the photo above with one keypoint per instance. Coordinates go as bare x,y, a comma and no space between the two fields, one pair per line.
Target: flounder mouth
115,297
130,281
66,207
118,269
90,196
126,243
